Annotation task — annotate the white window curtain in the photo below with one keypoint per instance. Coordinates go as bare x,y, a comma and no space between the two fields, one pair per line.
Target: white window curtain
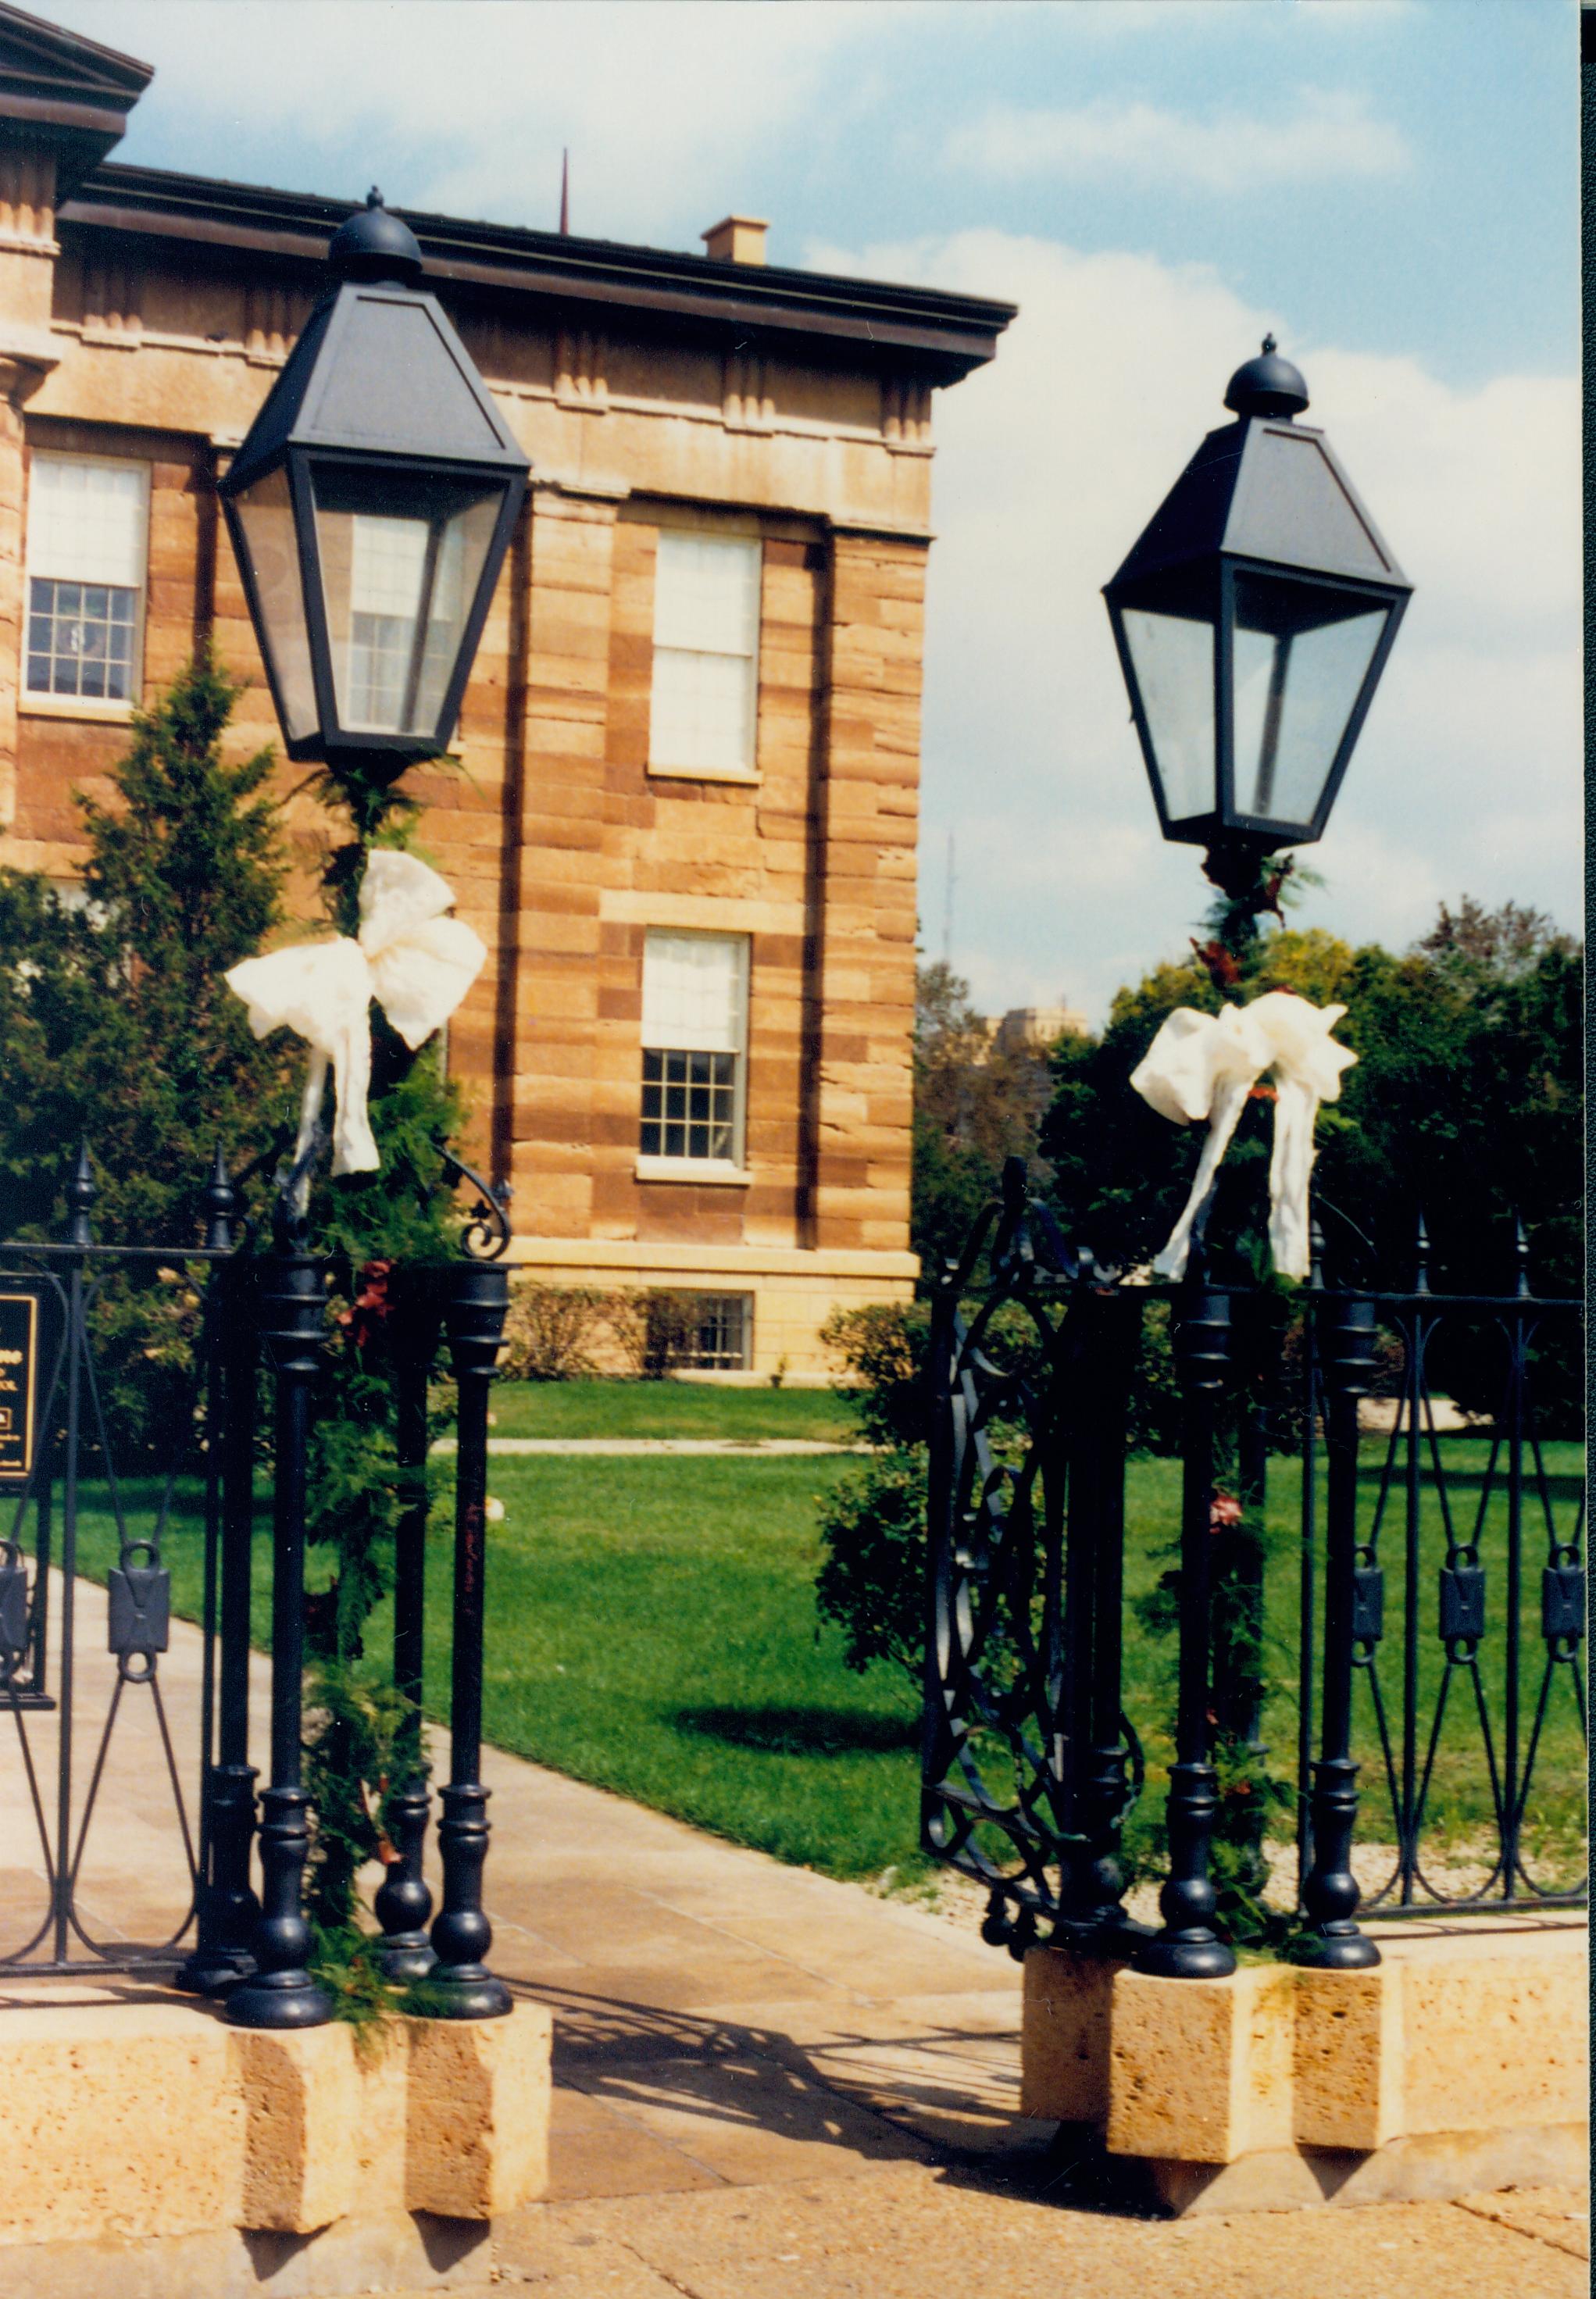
695,992
706,652
86,520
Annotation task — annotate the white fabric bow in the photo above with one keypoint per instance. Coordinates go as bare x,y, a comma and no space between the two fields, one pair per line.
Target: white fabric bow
416,962
1204,1065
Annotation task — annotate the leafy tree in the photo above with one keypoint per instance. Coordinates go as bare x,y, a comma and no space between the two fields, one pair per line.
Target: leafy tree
1466,1096
975,1103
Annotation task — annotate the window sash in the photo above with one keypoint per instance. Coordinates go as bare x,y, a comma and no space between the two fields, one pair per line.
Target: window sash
695,992
81,640
707,593
87,520
704,704
722,1344
702,711
690,1106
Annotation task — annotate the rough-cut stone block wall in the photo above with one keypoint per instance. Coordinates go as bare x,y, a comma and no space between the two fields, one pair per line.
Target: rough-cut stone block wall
562,845
874,635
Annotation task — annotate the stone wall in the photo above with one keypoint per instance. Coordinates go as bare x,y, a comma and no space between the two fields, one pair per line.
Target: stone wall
564,846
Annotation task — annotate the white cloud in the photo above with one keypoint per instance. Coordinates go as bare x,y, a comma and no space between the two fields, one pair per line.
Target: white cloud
1329,134
667,109
1050,462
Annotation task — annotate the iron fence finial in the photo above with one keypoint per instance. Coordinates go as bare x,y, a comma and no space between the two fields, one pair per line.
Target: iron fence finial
80,1196
221,1201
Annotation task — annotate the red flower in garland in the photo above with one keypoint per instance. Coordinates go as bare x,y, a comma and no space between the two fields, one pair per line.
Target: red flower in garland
1223,1510
370,1308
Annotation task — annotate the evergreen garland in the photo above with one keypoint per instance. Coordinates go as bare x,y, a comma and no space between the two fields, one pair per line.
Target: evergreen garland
358,1728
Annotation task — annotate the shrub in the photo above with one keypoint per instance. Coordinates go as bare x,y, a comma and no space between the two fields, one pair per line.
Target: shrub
550,1332
671,1323
883,1346
654,1333
872,1581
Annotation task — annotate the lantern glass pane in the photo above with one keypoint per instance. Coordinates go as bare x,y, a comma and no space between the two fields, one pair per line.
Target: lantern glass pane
265,518
1173,656
1302,654
400,562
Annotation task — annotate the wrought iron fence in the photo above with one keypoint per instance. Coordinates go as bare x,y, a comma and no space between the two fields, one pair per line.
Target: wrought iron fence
76,1521
1428,1662
78,1515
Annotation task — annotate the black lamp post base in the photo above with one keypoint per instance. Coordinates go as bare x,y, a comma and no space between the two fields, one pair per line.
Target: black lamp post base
1176,1955
466,1991
1114,1935
278,1999
405,1957
1334,1947
214,1971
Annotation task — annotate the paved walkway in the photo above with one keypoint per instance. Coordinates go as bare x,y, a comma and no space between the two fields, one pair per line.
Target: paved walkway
772,2084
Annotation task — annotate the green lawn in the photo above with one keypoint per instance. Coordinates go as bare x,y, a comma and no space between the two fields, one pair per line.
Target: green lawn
667,1408
652,1628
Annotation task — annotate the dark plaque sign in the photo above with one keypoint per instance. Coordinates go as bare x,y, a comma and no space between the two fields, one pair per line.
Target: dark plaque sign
19,1384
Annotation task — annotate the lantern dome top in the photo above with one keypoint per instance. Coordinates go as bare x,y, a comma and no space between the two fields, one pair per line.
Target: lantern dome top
1265,386
371,245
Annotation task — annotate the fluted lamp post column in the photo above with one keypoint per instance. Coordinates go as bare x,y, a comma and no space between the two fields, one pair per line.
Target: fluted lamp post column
1254,616
460,1986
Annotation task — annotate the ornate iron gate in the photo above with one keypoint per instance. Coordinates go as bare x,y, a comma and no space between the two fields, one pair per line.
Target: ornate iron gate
77,1516
1030,1764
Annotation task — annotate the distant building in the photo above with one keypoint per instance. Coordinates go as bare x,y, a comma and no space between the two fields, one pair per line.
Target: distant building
1036,1026
687,815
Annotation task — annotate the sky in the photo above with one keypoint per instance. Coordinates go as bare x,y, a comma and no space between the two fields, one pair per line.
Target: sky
1390,186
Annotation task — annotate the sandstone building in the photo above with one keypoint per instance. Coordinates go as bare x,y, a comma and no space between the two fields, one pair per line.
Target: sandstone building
683,815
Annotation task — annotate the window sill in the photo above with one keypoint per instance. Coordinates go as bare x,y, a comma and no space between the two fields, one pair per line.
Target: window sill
709,1170
76,706
704,773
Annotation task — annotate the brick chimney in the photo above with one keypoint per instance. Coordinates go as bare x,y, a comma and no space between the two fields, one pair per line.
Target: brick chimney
739,239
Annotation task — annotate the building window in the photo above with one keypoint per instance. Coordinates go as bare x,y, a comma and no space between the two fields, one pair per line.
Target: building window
87,519
725,1328
695,1026
699,1332
706,653
401,573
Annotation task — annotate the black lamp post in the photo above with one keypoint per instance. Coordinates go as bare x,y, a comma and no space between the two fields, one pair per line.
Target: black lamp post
1253,619
370,507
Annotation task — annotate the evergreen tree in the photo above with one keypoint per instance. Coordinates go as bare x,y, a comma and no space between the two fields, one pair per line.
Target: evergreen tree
115,1024
116,1029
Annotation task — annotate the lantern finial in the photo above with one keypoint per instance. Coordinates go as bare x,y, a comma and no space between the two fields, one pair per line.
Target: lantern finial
1267,385
373,246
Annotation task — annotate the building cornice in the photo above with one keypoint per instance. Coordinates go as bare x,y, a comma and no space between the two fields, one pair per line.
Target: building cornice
64,92
941,334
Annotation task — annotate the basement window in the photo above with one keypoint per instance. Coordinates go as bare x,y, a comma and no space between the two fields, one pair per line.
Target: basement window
699,1333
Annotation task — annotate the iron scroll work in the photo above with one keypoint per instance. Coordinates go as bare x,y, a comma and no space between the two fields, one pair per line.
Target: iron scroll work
1427,1631
142,1837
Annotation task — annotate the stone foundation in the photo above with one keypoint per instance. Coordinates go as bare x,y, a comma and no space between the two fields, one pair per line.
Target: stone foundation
1459,2062
128,2121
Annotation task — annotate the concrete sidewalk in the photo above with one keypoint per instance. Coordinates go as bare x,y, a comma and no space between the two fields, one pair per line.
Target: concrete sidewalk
771,2083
